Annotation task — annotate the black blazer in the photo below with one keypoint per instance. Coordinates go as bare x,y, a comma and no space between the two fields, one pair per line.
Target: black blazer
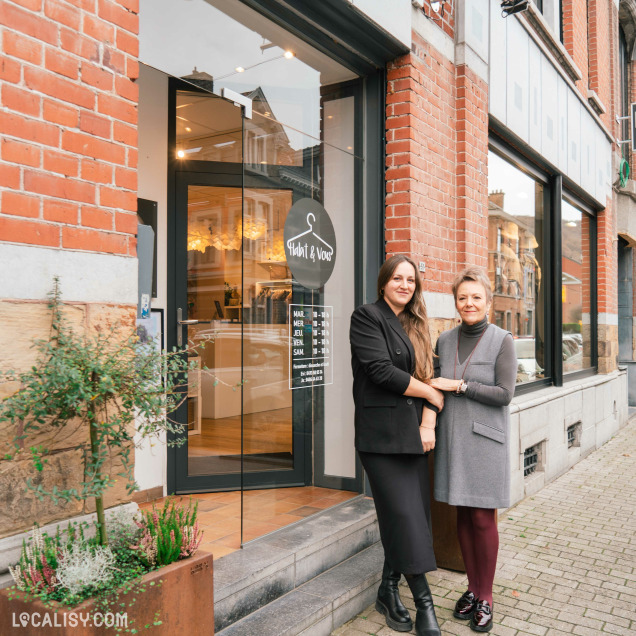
383,360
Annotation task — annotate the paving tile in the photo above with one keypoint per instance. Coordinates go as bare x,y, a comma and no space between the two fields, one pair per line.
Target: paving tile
574,568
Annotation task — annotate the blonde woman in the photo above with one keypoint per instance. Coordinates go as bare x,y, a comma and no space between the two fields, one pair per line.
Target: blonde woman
478,369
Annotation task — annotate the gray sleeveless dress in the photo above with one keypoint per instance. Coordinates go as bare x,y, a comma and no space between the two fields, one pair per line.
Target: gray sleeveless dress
472,455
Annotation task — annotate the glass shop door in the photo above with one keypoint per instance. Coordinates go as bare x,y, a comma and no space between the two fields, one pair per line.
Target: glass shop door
232,292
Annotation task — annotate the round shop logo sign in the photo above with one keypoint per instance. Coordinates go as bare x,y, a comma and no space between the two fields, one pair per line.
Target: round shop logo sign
310,243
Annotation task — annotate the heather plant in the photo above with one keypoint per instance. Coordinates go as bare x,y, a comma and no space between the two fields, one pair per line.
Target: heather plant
100,383
35,572
168,534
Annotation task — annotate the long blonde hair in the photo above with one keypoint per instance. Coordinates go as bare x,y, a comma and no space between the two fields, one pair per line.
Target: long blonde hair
413,318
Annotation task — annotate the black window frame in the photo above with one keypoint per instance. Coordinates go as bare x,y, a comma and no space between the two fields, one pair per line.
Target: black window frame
556,187
584,208
539,5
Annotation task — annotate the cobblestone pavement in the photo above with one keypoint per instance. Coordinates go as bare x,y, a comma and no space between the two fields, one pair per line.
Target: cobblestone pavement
567,559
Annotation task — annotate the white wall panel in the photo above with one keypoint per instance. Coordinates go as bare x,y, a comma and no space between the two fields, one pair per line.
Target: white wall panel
28,272
574,137
517,80
394,17
497,89
476,27
534,97
549,112
562,98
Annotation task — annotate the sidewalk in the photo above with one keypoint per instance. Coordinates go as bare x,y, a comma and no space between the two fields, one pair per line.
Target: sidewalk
567,559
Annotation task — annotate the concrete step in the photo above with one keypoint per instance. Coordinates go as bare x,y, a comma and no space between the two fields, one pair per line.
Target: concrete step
320,605
275,565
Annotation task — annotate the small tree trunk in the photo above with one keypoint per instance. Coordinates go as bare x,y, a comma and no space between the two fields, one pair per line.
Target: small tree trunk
99,501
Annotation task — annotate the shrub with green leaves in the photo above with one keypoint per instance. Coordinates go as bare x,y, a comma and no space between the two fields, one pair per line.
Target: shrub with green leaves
168,534
104,383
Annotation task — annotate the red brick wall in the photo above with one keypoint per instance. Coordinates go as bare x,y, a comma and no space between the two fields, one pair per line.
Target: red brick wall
472,169
436,177
420,162
601,54
575,37
68,155
445,19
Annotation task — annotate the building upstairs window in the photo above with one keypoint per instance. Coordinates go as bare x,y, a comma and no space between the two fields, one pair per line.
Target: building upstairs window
552,12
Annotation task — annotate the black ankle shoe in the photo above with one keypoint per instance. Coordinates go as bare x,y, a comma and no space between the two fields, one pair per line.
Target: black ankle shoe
465,607
389,603
482,617
425,622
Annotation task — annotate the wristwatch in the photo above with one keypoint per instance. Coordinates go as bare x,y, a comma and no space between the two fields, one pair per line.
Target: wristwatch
461,389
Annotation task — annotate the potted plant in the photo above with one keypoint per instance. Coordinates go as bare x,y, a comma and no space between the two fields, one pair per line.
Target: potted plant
113,392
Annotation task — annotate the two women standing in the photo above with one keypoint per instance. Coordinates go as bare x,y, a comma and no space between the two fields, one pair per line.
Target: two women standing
397,400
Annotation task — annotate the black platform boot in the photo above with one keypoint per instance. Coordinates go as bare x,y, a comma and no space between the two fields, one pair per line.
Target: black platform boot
389,604
425,622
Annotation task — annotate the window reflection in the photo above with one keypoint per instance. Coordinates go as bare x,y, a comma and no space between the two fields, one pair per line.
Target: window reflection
575,288
515,221
219,44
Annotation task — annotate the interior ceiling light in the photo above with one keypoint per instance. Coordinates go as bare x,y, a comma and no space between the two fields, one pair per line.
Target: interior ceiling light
188,129
188,151
289,55
239,69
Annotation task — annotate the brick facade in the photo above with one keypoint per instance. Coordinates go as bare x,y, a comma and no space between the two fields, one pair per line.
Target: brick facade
68,182
68,121
437,156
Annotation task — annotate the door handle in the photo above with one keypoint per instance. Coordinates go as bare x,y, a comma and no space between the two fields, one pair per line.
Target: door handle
181,323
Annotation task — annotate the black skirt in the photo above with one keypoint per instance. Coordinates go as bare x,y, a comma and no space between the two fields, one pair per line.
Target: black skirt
400,488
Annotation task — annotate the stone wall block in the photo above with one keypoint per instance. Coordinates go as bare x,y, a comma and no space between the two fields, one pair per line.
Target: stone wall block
534,423
69,437
439,325
589,408
103,319
21,508
573,406
574,455
22,323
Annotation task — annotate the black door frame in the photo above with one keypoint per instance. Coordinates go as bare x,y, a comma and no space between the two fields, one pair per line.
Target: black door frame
230,176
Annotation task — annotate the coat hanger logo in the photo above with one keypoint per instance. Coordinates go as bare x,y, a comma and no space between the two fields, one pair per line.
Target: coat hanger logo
310,243
299,249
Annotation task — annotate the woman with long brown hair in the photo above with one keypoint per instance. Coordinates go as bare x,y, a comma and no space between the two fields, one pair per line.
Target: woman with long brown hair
395,412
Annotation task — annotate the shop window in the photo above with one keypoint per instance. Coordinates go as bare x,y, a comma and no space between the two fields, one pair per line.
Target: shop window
552,12
515,222
547,303
575,288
